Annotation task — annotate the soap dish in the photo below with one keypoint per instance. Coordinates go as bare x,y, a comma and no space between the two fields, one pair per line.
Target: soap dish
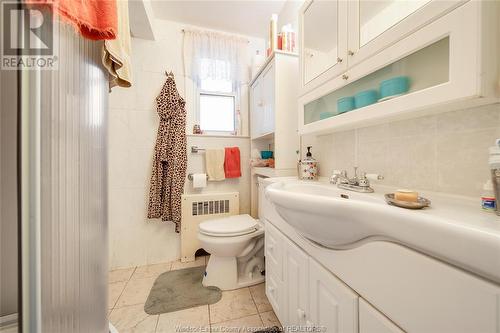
419,204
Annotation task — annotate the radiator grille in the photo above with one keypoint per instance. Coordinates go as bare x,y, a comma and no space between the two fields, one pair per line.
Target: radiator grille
210,207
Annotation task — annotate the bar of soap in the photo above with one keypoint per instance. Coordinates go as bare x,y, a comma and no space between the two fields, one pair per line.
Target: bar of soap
406,195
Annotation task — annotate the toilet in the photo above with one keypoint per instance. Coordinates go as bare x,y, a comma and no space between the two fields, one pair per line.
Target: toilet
236,247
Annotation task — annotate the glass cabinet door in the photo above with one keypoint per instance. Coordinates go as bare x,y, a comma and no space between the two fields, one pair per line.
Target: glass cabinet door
376,24
324,44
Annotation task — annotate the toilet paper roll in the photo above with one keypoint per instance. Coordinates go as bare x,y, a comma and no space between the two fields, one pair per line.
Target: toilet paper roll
199,180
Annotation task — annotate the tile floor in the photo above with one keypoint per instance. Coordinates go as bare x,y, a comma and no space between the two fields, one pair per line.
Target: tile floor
237,311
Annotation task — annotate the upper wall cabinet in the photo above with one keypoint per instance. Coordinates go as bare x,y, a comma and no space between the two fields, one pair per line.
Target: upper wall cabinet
324,44
406,59
374,25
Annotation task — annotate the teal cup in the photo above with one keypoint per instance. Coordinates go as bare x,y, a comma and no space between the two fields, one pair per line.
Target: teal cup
365,98
324,115
345,104
395,86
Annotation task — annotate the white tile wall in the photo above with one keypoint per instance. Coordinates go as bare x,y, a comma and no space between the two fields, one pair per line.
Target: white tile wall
133,122
447,152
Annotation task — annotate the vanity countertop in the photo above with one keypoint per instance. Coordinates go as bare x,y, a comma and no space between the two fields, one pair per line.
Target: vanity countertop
454,228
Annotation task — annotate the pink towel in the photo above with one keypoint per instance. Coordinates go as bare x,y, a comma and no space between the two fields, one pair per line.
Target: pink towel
232,165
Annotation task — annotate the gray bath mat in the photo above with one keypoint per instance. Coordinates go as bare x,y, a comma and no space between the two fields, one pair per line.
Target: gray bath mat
178,290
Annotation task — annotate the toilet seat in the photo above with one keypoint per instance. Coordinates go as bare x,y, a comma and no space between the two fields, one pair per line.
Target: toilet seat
231,226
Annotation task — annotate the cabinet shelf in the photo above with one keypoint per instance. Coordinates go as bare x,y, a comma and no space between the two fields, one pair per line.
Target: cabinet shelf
265,136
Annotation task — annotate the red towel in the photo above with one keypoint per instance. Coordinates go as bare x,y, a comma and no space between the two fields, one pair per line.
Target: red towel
232,167
95,19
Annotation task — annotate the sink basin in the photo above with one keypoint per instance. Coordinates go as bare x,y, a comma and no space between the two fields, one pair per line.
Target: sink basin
453,229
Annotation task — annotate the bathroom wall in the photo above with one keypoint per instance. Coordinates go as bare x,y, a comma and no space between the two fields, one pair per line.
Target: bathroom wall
134,239
447,152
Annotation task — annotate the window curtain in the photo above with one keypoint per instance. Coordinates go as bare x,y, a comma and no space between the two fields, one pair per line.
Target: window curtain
216,56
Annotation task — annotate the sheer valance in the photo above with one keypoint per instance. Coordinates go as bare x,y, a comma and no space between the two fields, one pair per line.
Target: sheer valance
215,56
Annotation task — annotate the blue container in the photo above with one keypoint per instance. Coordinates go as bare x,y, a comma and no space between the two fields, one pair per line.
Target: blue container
365,98
396,86
324,115
266,154
345,104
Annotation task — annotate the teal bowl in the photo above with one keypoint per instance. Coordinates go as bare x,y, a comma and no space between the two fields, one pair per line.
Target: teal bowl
266,154
324,115
393,87
345,104
365,98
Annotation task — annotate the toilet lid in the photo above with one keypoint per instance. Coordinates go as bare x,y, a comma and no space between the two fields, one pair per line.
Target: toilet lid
229,226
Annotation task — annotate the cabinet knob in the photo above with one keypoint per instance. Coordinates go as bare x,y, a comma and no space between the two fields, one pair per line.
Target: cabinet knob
301,313
339,60
345,76
350,52
270,247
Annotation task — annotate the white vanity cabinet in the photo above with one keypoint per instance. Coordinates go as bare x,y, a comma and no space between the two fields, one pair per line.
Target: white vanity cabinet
332,304
449,64
372,321
296,268
308,295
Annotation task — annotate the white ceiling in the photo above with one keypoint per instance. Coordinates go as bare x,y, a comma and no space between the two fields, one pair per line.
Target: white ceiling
246,17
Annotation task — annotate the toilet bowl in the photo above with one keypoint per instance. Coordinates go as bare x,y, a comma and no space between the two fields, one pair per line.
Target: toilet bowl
236,247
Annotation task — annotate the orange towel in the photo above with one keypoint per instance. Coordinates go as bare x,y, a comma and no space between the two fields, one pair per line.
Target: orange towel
95,19
232,167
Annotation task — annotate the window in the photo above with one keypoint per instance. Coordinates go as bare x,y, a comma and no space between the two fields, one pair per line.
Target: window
217,105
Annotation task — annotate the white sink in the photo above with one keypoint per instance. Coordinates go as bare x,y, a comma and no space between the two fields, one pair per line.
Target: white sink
453,229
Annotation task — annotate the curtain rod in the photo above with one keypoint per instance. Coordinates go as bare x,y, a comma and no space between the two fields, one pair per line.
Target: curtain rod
183,31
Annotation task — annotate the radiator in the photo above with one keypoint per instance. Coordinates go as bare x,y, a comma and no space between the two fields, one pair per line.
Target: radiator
197,208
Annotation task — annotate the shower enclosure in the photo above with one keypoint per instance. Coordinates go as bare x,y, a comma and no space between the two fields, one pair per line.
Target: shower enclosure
58,215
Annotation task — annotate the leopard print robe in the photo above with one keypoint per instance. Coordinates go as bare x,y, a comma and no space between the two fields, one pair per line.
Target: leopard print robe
170,156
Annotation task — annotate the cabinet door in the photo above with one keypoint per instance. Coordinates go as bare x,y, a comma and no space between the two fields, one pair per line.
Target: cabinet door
268,97
332,304
256,108
323,41
372,321
374,25
274,251
296,282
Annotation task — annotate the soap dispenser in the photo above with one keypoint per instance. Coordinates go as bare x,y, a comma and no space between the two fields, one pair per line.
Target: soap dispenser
308,167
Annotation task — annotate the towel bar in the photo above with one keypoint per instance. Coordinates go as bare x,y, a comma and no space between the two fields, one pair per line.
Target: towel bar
190,176
196,150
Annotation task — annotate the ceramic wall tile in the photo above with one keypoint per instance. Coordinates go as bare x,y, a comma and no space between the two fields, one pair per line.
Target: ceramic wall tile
445,152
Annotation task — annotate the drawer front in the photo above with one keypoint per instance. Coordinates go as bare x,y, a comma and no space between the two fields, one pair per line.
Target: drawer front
274,251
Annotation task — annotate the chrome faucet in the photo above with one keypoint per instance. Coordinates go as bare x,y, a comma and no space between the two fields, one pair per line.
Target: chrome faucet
356,183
